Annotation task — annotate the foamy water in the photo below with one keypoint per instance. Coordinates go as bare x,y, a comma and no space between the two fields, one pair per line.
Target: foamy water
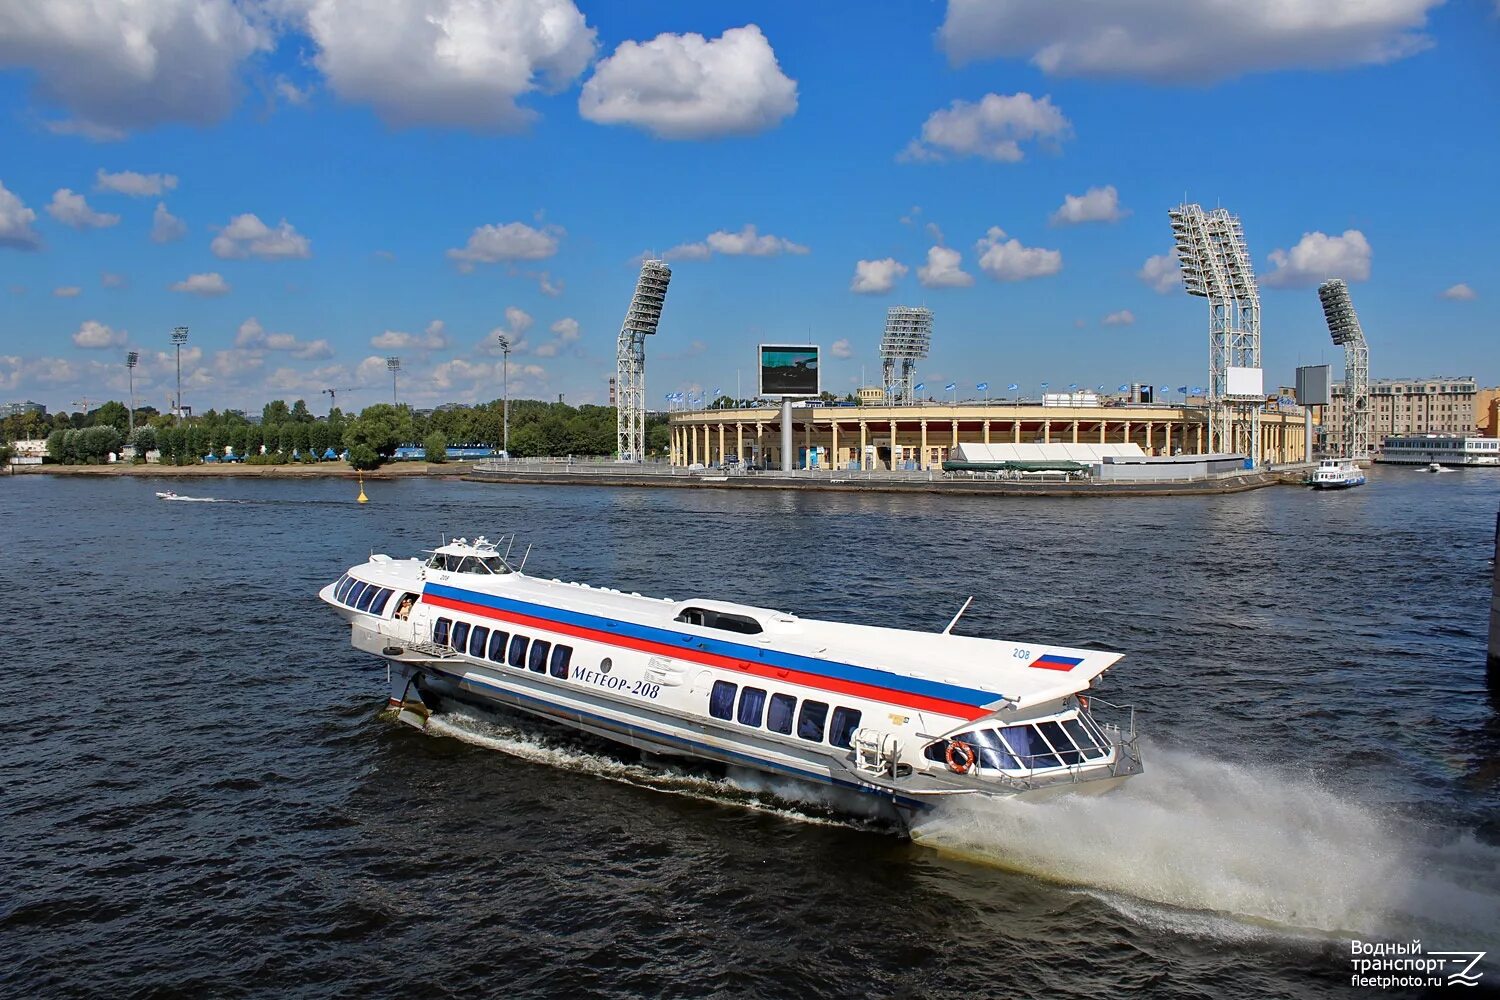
1269,847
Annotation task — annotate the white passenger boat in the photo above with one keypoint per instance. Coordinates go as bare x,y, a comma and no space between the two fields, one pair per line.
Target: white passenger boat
906,716
1336,474
1440,449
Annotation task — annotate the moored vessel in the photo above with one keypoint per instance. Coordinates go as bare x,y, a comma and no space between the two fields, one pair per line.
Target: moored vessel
1336,474
909,717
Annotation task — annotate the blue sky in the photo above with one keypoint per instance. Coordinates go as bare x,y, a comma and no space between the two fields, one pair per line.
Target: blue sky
328,169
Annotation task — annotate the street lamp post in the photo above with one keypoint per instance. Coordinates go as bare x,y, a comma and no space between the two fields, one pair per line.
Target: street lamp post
132,358
179,337
394,365
505,391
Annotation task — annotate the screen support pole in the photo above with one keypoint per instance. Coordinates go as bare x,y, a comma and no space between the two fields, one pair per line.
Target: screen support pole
787,465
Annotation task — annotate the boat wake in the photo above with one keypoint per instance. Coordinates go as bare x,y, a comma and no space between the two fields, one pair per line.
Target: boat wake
1194,841
741,788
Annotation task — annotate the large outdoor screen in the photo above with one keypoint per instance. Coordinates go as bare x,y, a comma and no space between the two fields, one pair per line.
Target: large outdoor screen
788,370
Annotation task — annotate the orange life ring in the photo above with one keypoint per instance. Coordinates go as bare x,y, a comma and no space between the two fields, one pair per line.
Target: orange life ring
1083,702
957,748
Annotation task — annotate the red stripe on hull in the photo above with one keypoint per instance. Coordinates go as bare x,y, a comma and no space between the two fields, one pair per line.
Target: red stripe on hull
833,684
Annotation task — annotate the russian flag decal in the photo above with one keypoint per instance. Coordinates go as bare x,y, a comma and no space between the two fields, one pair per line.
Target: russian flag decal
1052,661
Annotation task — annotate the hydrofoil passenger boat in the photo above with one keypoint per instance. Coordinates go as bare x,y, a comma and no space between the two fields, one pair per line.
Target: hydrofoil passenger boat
907,716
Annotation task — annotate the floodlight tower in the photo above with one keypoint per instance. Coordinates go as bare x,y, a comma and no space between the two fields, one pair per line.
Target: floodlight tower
179,337
641,321
393,365
1216,266
132,358
1343,324
908,336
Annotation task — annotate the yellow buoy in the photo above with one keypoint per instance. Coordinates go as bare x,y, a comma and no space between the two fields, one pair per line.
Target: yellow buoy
362,497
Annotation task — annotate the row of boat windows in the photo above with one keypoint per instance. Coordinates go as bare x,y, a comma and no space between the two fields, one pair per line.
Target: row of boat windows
779,713
361,596
1030,747
519,651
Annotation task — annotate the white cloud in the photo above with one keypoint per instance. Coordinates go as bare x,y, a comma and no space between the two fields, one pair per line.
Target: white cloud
1124,317
247,236
72,210
876,277
433,338
15,223
166,227
209,284
842,348
93,335
1161,272
1461,292
1094,205
1317,257
112,279
517,320
548,287
748,242
566,329
944,269
689,87
291,93
1167,40
457,63
67,291
87,130
119,65
513,241
1008,260
253,337
134,184
993,128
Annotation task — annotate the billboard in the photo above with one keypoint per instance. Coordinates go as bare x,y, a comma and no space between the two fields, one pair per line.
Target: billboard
1244,383
789,370
1312,385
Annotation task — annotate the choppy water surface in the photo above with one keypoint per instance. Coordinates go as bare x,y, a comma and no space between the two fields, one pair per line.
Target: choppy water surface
200,798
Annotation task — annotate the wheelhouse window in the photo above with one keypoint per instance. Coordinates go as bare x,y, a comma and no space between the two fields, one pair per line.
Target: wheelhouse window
1029,748
779,716
539,650
752,706
460,636
845,722
1092,747
355,592
1064,747
440,631
562,659
341,589
377,606
363,604
498,639
811,719
708,618
518,651
478,639
721,699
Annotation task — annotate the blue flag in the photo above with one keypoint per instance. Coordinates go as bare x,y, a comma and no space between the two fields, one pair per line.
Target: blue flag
950,387
1012,387
1182,389
1044,385
1073,387
982,386
1197,390
718,392
1166,388
1124,388
919,387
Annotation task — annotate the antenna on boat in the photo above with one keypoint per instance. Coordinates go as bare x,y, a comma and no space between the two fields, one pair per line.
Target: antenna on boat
508,545
949,629
522,567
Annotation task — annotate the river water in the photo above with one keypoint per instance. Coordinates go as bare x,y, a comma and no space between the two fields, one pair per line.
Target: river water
202,800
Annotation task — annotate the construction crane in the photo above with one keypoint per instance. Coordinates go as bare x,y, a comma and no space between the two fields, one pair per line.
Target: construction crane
84,403
333,394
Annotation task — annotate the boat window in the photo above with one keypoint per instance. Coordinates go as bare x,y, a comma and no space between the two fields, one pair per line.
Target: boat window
721,700
440,631
478,639
562,657
363,604
1083,738
342,587
1094,730
810,720
708,618
752,706
539,651
989,752
354,592
460,636
518,651
498,639
1026,743
845,722
494,564
377,606
1060,742
779,718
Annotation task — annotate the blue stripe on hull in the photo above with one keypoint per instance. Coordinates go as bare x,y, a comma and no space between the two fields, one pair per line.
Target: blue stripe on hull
720,647
700,749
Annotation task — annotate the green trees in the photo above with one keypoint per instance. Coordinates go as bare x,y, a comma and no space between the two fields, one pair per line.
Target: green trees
435,447
374,435
86,445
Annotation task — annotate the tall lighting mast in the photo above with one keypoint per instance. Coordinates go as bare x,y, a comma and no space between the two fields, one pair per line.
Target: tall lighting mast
179,337
1343,325
641,320
1216,266
908,336
504,392
132,358
393,365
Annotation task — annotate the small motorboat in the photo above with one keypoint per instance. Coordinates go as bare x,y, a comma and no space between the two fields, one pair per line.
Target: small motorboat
1434,467
165,495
